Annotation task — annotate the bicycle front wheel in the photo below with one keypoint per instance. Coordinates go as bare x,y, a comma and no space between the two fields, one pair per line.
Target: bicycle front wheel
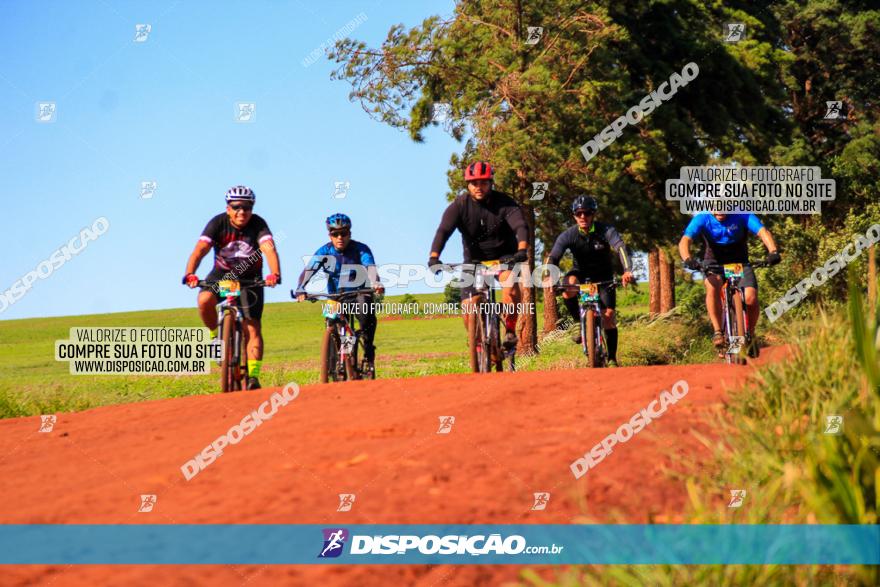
329,355
738,324
591,336
227,364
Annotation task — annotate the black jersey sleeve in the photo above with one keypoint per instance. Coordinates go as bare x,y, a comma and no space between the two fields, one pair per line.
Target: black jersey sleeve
517,222
559,248
616,242
448,223
212,231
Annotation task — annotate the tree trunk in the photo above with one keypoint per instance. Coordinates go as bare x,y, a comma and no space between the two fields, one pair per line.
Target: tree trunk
872,281
654,281
528,336
667,281
551,312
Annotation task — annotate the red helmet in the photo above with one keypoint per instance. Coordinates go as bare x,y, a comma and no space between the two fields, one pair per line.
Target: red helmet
478,170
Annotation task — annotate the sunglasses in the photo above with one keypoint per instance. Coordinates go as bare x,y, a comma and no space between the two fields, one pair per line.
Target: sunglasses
339,233
583,214
238,207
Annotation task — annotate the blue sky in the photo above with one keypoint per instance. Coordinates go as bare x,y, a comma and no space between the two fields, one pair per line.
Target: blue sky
163,110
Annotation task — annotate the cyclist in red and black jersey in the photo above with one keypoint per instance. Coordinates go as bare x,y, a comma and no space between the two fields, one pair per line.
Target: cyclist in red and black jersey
239,239
492,226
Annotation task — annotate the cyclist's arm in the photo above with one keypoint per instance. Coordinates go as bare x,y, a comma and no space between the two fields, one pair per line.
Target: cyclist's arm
684,247
268,248
559,247
517,222
616,241
316,263
767,239
202,249
447,225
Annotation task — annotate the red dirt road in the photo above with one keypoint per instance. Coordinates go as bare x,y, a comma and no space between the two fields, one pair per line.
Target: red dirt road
514,435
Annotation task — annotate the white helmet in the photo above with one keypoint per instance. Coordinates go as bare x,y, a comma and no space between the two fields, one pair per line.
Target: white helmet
240,193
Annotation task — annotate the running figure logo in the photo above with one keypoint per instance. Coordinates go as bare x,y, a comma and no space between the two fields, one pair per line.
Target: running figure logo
733,32
833,109
346,500
147,503
334,540
833,425
340,189
541,500
446,423
46,112
148,188
736,498
539,190
535,33
245,111
141,32
47,423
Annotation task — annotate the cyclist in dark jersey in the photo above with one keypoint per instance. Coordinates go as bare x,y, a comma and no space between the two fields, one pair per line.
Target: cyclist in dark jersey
591,244
492,227
239,239
344,253
725,237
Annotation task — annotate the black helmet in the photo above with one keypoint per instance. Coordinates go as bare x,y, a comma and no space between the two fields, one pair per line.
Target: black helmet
584,203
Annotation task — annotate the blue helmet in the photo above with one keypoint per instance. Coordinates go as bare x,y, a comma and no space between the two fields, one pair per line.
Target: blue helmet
240,193
335,221
588,203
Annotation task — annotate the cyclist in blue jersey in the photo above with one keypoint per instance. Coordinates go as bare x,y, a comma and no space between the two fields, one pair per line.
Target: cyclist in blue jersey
342,252
725,237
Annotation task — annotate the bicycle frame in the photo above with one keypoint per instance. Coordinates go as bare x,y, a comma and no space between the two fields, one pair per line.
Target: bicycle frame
485,277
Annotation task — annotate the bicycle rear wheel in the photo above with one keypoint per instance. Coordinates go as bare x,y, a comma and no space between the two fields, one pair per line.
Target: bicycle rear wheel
329,355
227,363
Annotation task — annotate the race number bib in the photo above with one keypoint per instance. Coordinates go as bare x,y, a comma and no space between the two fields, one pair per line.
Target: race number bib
331,309
733,270
589,292
229,288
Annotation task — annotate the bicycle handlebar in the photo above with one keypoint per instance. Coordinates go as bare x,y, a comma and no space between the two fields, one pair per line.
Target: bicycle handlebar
241,282
336,296
703,265
610,283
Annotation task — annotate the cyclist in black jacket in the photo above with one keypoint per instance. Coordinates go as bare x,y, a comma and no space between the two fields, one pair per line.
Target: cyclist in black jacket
591,244
492,226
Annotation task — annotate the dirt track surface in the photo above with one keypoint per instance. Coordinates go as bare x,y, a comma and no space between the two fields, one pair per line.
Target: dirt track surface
514,435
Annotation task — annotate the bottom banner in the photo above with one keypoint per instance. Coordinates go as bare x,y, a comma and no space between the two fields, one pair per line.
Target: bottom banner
524,544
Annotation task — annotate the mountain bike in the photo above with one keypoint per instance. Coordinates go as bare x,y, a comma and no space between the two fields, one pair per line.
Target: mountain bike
343,349
733,309
592,330
233,356
484,320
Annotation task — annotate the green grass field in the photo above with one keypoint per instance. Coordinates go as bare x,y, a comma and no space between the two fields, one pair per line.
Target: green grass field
32,382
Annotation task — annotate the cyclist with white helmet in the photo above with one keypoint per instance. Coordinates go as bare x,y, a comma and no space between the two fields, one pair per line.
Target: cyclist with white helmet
239,238
343,252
